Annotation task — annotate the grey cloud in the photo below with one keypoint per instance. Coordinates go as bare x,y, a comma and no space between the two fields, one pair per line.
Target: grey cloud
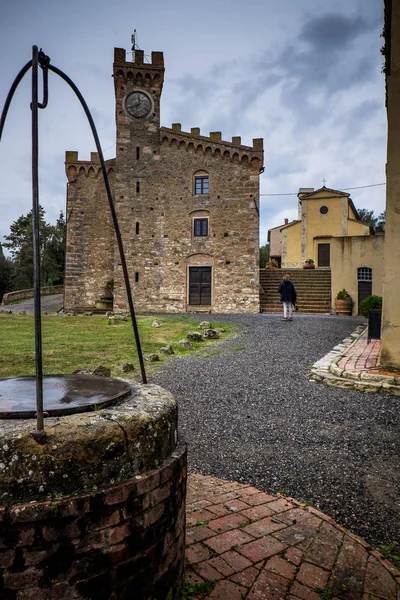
330,32
329,55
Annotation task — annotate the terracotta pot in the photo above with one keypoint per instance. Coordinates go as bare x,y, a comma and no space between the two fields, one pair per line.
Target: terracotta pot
309,266
344,307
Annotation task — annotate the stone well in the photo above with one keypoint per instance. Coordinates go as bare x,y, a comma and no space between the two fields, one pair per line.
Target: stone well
98,510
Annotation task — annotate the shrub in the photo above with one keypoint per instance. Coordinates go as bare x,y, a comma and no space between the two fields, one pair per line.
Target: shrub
370,303
272,263
309,261
343,294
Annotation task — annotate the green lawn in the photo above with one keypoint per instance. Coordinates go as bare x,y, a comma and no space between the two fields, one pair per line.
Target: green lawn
71,343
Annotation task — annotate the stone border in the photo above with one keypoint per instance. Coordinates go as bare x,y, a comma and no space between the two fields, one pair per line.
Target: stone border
326,370
49,290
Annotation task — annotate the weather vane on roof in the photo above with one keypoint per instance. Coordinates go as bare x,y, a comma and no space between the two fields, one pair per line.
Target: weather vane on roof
135,46
133,40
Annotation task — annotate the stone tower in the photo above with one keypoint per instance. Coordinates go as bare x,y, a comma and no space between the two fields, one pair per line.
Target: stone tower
138,88
187,206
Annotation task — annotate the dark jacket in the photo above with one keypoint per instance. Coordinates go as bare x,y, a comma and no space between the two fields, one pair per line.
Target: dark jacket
287,292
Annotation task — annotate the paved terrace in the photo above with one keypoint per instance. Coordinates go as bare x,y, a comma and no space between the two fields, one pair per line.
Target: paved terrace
257,425
244,543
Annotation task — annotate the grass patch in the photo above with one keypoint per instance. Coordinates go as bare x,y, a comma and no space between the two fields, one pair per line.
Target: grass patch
201,523
196,590
71,343
392,553
325,593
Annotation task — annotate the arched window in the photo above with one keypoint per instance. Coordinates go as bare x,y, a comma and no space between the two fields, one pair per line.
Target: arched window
201,183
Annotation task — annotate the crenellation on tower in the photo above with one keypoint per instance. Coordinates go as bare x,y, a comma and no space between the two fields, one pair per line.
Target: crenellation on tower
228,150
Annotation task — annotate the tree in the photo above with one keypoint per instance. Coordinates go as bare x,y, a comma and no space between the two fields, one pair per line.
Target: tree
264,255
6,269
54,255
381,222
51,249
368,217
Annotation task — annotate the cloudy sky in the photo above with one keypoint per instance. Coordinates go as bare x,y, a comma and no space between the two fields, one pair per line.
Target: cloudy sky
305,75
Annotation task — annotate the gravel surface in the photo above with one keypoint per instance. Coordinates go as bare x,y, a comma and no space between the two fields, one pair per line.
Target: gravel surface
50,304
250,414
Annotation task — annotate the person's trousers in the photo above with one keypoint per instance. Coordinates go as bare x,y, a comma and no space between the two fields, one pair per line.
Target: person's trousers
287,310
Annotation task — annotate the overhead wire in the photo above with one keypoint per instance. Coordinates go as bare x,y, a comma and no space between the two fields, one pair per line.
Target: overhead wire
359,187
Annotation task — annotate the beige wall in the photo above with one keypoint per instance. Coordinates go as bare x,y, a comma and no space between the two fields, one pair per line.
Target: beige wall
357,228
322,225
391,284
349,253
300,242
291,246
275,243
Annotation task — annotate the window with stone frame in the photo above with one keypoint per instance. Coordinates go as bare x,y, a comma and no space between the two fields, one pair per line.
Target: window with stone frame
200,227
201,183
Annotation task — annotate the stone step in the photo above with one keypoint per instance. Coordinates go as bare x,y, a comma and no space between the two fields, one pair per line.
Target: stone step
300,312
310,303
311,290
313,287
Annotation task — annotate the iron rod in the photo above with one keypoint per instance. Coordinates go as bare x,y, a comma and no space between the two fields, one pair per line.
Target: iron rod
36,244
113,214
11,93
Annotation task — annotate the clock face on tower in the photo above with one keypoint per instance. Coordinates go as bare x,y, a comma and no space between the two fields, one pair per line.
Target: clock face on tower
138,104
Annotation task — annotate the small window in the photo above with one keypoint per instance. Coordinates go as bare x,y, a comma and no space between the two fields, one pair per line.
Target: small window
137,152
324,210
200,227
364,274
201,184
136,277
137,228
138,187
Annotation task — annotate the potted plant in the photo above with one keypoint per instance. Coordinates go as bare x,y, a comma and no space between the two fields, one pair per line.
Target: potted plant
309,264
343,303
271,265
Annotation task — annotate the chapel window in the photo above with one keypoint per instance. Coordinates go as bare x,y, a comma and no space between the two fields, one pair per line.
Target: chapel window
364,274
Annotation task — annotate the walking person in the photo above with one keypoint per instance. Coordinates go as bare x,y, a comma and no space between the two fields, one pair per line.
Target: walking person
288,297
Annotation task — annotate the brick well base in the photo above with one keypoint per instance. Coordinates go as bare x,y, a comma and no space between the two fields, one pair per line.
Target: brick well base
120,542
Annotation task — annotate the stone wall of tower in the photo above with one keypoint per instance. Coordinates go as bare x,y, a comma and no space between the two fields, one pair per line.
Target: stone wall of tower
90,234
138,156
156,204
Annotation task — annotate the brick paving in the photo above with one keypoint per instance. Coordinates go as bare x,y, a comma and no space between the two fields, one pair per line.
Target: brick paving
362,356
356,364
244,543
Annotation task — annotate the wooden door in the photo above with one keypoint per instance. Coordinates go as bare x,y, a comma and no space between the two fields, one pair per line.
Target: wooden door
364,290
324,255
199,286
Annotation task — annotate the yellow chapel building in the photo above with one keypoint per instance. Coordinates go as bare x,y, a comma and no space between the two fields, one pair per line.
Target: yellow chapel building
329,231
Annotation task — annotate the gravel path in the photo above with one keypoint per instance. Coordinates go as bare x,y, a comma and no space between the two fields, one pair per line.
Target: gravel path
249,413
50,304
